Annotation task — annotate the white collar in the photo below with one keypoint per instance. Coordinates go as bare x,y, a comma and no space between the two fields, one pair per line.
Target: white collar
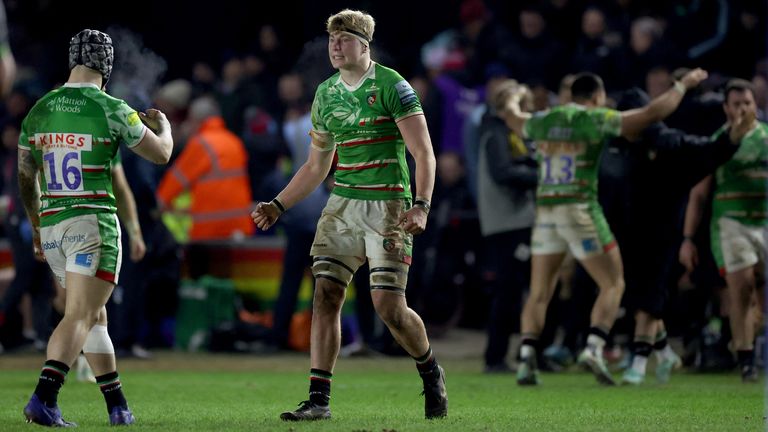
81,85
370,73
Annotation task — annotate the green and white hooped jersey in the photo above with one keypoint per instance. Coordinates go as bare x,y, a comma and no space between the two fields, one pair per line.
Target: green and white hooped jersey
359,122
740,183
569,141
74,133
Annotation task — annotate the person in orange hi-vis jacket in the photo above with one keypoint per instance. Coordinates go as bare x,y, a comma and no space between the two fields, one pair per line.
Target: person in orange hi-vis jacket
212,167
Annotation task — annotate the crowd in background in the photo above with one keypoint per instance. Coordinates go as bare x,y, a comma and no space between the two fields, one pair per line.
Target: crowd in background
263,93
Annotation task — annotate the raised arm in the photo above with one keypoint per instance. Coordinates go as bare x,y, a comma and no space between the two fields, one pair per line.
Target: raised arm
306,179
635,120
30,196
513,115
126,211
157,144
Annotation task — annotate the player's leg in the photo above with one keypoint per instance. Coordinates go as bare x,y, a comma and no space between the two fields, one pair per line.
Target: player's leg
606,270
741,285
389,250
666,358
548,249
544,275
592,243
100,352
388,282
642,346
86,295
332,275
85,257
741,248
337,254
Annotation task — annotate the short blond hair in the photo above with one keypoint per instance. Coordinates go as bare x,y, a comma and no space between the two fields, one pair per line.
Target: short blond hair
356,22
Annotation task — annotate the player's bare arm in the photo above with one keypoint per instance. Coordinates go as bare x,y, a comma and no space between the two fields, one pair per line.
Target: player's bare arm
30,196
688,255
513,115
126,211
416,137
635,120
306,179
157,144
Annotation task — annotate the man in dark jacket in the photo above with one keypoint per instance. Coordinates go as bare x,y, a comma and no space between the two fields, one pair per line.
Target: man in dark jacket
662,168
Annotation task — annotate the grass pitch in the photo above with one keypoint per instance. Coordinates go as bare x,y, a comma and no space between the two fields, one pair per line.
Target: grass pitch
202,392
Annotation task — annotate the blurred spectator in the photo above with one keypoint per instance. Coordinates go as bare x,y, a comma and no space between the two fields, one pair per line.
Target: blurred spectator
485,37
299,223
173,100
451,244
261,136
146,295
495,73
541,97
592,52
562,18
506,193
698,31
534,54
760,86
31,276
212,167
7,60
230,95
445,58
564,90
644,52
657,81
264,66
203,79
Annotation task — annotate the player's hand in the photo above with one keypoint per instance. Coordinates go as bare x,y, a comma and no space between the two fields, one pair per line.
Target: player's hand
265,215
37,244
693,78
414,221
138,248
743,124
153,118
689,255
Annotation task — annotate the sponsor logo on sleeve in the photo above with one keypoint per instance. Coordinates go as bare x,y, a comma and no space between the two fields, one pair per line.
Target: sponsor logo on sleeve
405,92
133,119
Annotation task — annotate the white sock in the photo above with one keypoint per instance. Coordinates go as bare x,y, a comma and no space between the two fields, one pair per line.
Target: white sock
596,342
665,353
527,351
639,363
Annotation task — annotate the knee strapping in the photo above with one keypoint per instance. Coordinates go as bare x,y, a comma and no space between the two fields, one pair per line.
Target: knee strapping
98,341
389,276
338,269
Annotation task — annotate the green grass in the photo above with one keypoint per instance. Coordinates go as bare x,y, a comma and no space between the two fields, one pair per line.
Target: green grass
216,393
